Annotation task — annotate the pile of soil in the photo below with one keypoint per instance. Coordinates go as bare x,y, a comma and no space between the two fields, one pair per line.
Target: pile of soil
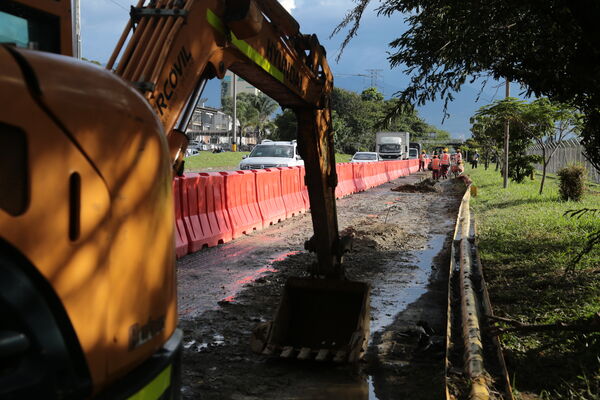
425,186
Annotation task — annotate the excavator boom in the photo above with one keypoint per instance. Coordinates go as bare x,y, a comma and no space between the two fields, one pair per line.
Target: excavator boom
168,50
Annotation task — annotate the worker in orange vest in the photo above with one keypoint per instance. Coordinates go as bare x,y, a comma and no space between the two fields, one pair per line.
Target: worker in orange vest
445,163
422,158
435,167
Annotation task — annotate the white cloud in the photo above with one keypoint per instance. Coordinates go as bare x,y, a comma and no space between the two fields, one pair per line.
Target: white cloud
289,5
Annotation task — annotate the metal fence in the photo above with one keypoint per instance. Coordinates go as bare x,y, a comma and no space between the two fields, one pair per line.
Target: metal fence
568,152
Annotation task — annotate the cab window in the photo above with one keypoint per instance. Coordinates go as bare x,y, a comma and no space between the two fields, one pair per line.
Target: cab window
29,28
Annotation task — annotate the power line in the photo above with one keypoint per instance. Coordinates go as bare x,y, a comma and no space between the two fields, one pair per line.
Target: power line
118,5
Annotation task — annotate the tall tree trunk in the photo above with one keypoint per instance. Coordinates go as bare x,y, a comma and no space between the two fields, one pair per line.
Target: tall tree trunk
545,164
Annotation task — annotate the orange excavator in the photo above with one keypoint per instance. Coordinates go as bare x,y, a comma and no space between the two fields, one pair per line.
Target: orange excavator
87,155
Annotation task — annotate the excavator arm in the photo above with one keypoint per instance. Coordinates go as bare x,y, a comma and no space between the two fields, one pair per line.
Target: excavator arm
170,48
168,51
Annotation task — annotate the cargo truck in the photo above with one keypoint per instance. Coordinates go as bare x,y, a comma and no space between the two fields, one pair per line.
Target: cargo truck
392,145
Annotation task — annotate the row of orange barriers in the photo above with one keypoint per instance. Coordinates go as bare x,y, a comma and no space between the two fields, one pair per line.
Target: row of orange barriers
216,207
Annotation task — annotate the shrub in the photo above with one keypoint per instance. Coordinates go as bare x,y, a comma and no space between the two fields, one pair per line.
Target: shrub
520,166
572,182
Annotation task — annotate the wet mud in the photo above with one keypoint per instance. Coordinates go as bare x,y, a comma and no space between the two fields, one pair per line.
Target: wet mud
401,248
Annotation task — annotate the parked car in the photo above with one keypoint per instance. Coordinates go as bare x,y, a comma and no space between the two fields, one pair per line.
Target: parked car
191,152
270,154
365,156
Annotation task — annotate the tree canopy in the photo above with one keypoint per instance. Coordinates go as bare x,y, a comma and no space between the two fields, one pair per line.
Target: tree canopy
253,111
356,119
552,47
543,121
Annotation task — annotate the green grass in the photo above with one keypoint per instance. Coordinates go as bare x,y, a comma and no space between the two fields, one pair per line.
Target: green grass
526,245
227,160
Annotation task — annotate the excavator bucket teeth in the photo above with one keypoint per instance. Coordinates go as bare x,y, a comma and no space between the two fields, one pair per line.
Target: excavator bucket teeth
321,319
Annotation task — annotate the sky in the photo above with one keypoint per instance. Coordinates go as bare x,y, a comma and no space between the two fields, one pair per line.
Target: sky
102,23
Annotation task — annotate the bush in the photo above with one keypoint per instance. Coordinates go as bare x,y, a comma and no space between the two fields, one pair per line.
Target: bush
572,182
520,166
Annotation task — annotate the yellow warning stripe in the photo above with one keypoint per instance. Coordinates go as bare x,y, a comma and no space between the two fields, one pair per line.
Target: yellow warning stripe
155,389
245,48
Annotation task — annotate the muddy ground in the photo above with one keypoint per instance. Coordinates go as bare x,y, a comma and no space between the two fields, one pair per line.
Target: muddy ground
401,248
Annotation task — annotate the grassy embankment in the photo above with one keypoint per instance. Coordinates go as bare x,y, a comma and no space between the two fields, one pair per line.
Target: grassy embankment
227,161
526,245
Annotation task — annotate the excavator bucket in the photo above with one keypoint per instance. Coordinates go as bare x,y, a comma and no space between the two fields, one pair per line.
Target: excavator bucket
321,319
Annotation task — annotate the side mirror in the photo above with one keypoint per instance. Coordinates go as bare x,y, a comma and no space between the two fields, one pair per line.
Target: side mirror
243,157
298,158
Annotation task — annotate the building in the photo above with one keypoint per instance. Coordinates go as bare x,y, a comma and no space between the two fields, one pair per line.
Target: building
242,86
212,127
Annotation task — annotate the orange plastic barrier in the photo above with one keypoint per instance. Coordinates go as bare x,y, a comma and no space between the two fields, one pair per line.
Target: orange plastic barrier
291,191
268,191
345,184
181,240
370,175
390,171
379,173
191,217
398,168
403,168
207,219
213,208
241,202
303,188
414,165
358,172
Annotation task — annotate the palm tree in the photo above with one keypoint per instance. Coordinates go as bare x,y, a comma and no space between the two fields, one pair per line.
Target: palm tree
265,107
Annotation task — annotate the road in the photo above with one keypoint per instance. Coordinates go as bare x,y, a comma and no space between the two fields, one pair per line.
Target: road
401,249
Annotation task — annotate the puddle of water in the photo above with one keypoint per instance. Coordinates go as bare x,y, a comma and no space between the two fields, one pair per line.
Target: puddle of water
393,298
218,340
397,290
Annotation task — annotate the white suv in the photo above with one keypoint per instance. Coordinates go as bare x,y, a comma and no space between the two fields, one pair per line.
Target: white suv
270,154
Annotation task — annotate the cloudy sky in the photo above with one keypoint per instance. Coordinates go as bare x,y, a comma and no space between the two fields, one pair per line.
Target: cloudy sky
103,22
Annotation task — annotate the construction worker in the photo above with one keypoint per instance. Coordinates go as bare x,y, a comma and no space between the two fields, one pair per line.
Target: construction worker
435,167
444,163
459,157
422,159
475,160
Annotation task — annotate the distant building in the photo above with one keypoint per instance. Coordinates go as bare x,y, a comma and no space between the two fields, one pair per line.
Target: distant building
242,86
211,126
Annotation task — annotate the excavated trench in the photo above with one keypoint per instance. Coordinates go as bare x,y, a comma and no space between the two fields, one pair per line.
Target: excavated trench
401,248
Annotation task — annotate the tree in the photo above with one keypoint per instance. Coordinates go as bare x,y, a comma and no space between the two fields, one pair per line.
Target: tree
487,134
287,126
264,107
358,117
371,94
551,47
253,111
549,124
489,121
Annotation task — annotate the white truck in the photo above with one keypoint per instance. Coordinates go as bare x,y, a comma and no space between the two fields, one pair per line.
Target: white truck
392,145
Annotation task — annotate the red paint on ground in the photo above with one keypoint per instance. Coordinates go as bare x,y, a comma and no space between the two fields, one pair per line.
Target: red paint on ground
238,284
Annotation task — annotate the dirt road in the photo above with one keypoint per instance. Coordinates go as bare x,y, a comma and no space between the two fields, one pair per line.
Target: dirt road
401,249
